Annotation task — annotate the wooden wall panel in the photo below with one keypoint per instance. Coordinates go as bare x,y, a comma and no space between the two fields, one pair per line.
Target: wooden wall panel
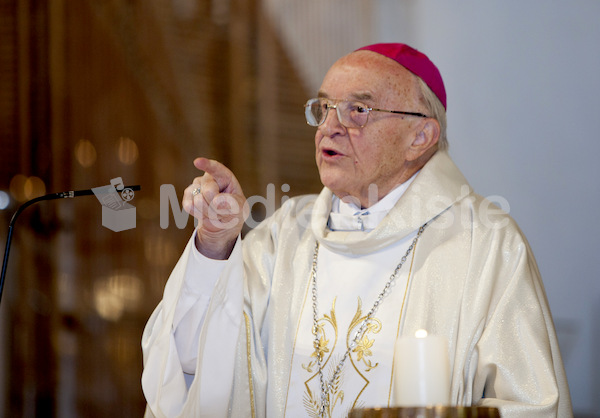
80,79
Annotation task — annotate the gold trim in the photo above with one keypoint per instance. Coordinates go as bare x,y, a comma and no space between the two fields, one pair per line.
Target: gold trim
287,393
412,261
249,356
375,329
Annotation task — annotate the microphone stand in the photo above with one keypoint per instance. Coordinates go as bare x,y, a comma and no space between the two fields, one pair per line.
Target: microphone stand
51,196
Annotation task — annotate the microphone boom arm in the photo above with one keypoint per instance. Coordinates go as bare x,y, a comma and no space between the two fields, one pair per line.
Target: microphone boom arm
51,196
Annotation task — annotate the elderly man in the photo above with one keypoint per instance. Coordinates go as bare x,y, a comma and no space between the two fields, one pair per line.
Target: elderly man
301,317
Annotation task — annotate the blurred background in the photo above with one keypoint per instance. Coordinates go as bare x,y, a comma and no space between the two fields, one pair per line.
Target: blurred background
91,90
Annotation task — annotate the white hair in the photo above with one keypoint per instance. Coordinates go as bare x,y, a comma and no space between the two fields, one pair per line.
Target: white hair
436,110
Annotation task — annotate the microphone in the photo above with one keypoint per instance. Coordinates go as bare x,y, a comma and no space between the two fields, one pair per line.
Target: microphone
51,196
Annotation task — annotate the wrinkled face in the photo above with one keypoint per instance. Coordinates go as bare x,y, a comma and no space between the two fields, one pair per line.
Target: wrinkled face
351,159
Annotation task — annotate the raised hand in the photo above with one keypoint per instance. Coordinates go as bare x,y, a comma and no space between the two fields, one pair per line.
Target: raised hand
216,199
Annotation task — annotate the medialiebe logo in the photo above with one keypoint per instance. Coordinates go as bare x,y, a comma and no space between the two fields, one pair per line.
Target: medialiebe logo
117,214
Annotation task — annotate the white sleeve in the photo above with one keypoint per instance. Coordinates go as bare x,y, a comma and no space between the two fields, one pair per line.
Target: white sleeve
199,280
191,337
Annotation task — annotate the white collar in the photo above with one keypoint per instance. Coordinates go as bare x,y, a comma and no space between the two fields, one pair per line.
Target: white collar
350,217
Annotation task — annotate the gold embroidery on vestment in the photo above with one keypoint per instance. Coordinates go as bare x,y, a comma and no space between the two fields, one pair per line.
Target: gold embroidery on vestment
249,356
362,353
311,400
363,349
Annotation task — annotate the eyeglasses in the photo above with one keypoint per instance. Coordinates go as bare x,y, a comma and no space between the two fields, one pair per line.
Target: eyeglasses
350,114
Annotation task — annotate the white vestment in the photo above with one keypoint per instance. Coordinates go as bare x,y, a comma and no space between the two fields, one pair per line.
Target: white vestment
471,278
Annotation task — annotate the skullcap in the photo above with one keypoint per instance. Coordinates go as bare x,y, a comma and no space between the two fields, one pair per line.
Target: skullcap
414,61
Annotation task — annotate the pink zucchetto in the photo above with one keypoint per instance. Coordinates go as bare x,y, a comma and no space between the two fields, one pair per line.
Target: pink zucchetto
414,61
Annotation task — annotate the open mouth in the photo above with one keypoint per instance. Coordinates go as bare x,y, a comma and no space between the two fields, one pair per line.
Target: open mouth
330,152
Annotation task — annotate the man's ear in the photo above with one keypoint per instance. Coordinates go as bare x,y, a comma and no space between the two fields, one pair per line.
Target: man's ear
426,138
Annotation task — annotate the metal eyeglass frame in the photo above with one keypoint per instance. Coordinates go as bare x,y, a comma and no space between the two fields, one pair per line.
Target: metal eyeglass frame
333,104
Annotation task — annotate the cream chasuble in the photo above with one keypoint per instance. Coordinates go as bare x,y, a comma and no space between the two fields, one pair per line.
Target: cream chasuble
244,338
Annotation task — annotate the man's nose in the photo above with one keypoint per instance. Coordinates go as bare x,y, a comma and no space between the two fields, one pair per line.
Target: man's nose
332,123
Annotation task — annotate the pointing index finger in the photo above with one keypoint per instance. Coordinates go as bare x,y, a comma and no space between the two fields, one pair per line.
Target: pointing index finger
222,175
